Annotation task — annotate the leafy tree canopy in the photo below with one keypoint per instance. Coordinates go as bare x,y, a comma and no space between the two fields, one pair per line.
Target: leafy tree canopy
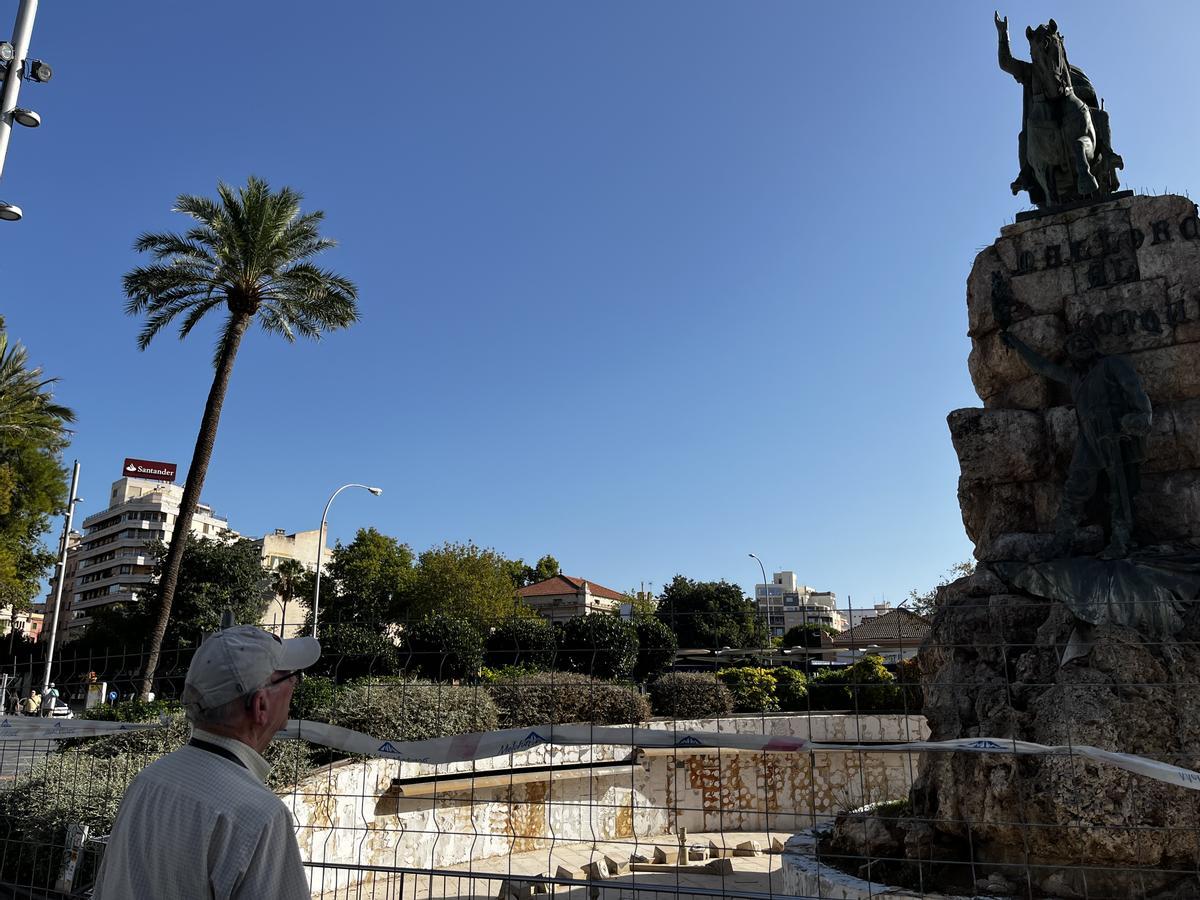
522,575
806,635
32,481
710,614
923,603
463,580
366,582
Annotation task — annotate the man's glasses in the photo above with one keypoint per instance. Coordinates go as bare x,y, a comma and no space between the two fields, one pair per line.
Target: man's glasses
298,674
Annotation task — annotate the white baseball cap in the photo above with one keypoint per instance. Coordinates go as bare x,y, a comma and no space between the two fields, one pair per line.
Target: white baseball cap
240,660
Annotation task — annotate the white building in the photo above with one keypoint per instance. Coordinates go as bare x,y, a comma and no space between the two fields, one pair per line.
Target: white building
111,562
785,603
858,616
562,597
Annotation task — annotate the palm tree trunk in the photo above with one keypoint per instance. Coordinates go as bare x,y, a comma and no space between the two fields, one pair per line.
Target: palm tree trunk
191,490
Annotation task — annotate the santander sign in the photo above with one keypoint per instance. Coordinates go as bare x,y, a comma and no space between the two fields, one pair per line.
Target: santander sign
147,468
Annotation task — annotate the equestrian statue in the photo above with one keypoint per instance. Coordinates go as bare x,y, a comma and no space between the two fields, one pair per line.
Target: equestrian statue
1065,147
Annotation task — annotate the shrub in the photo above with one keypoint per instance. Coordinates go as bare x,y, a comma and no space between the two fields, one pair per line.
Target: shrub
602,646
808,635
554,698
521,641
656,647
690,695
908,675
872,686
791,689
753,688
132,711
507,673
443,648
354,651
827,690
412,710
310,696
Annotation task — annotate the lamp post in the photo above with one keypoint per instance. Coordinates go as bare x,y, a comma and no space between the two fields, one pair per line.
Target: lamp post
766,589
62,575
321,544
14,56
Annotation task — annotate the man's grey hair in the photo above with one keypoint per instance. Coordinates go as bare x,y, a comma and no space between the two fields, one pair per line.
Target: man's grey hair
225,714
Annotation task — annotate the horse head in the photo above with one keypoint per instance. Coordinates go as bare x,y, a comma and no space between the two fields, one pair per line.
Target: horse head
1051,72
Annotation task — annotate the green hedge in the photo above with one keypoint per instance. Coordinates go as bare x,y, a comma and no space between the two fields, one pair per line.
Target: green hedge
521,641
442,648
656,647
394,709
791,689
603,646
689,695
553,698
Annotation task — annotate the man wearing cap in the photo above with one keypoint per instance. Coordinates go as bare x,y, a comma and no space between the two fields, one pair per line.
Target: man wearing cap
201,822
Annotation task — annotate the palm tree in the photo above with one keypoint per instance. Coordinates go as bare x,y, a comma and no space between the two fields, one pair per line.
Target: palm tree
249,256
26,405
287,582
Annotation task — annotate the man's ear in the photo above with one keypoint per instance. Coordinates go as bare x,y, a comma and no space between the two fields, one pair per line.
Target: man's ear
258,708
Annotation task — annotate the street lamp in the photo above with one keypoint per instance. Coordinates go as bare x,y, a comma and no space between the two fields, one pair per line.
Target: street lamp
321,544
766,589
13,69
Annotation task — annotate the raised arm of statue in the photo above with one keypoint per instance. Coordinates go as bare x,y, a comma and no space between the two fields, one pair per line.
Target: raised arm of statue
1036,361
1017,68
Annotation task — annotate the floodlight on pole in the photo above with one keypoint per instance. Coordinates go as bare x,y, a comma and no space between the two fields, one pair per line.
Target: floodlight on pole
13,56
26,117
9,212
321,545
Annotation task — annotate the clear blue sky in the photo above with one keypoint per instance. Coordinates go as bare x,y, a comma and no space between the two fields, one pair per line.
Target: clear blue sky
647,286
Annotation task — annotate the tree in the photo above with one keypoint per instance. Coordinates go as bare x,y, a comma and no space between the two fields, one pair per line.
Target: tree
367,581
710,614
463,580
443,647
923,603
523,575
249,255
656,647
32,435
288,582
600,645
806,635
521,641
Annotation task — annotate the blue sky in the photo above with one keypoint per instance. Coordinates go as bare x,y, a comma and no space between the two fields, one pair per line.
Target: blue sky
647,286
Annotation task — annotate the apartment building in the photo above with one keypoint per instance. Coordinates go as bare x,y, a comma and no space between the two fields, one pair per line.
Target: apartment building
111,562
786,603
562,597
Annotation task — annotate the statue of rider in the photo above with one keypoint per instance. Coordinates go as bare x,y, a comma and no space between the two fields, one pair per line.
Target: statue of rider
1078,100
1114,416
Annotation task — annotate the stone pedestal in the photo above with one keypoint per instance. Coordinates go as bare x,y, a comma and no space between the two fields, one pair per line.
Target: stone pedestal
1130,271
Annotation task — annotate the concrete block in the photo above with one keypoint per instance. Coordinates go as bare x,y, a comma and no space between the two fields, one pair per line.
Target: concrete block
663,857
596,871
616,866
748,848
720,866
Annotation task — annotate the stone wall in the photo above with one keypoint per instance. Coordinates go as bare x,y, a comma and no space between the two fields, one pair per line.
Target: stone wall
349,812
1129,271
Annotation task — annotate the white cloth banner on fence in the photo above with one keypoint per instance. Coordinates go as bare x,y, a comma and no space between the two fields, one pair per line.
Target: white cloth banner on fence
32,728
465,747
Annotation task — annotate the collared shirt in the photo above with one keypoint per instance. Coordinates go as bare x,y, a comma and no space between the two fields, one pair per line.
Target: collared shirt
196,825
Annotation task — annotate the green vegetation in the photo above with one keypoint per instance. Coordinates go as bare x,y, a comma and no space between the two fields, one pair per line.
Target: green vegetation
710,615
689,695
603,646
752,688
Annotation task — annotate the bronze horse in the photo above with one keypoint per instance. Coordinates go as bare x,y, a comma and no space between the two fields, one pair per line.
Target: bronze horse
1064,146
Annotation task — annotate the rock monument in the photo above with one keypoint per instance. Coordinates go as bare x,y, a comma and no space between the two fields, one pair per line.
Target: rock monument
1080,488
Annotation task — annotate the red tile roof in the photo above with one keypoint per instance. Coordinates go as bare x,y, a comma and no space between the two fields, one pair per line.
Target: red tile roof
564,584
899,626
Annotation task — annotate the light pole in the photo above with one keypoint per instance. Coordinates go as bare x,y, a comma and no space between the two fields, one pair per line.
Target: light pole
62,575
766,589
14,55
321,544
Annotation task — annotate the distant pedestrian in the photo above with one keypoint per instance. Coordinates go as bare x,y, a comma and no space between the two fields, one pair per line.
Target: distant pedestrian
49,700
200,822
31,704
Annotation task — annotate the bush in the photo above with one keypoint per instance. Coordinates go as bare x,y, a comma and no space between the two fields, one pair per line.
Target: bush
132,711
521,641
554,698
827,690
656,647
872,686
412,710
355,651
808,635
602,646
791,689
753,688
908,677
690,695
310,696
443,648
